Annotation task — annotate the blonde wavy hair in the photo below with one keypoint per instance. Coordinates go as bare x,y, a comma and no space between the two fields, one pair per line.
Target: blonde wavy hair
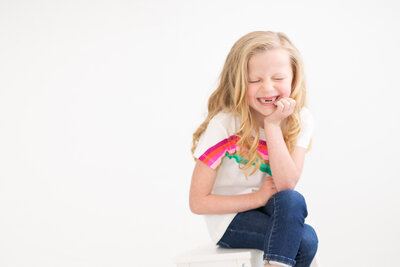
230,96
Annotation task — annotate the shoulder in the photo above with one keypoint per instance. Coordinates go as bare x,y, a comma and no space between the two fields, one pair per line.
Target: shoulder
306,116
215,140
305,111
307,128
226,120
223,117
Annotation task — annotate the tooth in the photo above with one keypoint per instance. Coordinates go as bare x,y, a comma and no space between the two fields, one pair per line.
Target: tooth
268,100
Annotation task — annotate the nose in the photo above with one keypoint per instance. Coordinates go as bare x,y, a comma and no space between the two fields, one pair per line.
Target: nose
267,86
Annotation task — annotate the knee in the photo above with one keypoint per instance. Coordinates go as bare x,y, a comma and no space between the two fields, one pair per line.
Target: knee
291,196
292,200
309,242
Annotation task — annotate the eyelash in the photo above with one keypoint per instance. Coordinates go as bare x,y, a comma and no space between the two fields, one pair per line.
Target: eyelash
259,80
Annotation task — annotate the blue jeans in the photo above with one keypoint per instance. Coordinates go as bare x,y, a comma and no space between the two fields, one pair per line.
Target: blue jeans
278,229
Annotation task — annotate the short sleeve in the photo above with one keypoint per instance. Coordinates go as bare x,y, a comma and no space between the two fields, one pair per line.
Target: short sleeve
213,144
307,128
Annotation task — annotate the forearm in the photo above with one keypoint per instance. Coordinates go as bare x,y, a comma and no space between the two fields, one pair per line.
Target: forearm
220,204
283,169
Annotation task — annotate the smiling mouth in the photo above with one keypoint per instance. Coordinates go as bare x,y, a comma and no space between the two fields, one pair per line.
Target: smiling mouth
265,100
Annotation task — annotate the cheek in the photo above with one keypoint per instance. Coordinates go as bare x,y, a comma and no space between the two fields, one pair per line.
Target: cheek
286,90
286,93
250,93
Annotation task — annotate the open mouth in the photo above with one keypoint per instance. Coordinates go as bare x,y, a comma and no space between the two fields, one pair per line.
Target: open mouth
268,100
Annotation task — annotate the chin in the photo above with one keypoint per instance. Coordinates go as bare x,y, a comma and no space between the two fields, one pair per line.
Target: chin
268,111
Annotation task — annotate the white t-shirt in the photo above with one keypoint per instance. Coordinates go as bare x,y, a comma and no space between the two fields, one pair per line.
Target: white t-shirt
217,146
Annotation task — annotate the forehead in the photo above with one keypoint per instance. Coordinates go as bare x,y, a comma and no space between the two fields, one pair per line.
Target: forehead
270,61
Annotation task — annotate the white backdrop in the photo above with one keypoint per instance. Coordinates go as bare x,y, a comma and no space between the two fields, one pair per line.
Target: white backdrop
99,100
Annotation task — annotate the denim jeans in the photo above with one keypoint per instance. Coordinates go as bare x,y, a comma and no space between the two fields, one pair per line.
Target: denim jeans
278,229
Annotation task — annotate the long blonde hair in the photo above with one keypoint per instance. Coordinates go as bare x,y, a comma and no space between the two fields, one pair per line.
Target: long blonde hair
230,96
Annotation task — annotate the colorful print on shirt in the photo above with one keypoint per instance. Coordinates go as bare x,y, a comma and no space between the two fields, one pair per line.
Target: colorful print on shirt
227,148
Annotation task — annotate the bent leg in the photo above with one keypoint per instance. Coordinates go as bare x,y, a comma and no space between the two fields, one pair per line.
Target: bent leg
276,228
247,230
288,210
308,247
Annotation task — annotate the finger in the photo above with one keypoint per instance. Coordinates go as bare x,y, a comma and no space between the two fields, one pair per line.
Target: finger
292,103
280,105
286,103
282,102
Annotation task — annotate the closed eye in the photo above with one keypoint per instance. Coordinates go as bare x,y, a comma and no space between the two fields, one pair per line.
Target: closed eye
278,79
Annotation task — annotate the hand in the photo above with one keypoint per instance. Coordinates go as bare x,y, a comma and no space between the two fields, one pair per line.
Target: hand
284,107
266,190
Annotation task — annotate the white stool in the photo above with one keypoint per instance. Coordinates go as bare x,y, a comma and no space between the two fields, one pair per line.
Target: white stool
214,256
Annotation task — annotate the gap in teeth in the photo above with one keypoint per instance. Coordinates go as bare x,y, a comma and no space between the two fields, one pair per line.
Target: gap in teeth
268,101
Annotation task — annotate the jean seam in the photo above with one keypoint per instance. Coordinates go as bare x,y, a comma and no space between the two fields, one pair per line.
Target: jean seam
272,228
242,231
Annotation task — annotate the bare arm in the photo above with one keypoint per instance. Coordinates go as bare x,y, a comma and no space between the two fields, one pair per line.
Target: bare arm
203,202
285,167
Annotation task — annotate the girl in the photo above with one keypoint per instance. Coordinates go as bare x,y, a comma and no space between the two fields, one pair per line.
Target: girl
250,150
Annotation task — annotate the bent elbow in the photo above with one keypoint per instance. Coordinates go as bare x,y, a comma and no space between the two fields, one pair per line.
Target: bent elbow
287,186
194,206
290,186
294,182
193,209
